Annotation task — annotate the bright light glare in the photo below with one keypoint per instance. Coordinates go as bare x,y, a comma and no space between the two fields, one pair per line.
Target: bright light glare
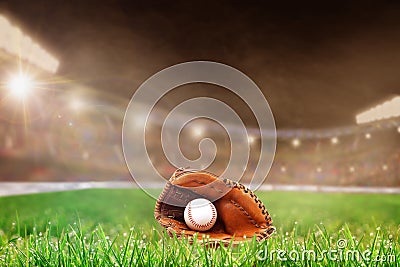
15,42
296,142
20,85
76,104
251,139
386,110
334,140
198,131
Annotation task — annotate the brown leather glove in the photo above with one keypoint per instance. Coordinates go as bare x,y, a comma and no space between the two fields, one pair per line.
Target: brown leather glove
240,214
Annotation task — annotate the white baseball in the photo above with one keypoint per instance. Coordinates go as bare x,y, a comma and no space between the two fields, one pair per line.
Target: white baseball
200,214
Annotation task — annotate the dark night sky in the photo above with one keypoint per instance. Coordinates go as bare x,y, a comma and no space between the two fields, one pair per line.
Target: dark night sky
318,63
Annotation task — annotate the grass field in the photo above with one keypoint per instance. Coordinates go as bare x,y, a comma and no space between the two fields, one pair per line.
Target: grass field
117,228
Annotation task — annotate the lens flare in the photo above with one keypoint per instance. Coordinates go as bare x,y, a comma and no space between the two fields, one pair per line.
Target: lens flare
20,85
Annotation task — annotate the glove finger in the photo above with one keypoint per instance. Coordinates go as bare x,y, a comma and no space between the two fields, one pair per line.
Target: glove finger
243,214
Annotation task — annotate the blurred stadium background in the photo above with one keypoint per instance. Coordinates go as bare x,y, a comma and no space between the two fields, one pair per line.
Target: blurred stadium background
56,129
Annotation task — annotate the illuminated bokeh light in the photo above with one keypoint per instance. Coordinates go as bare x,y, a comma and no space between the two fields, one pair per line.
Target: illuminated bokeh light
20,85
283,169
334,140
251,139
296,142
76,104
198,130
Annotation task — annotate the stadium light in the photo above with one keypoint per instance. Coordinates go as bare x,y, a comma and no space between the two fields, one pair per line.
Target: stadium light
398,129
296,142
251,139
352,169
76,104
385,167
283,169
198,130
16,43
367,136
334,140
386,110
20,85
319,169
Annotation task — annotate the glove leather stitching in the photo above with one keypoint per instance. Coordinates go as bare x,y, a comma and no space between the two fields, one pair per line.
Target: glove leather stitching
237,205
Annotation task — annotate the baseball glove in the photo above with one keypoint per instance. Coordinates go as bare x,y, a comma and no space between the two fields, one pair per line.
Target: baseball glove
240,214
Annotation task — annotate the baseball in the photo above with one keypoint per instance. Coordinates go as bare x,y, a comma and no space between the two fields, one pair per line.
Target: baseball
200,214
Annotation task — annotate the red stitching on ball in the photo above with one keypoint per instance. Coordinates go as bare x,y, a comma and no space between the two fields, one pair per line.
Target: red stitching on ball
191,220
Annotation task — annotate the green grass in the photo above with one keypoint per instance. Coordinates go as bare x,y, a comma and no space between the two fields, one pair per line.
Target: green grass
117,228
